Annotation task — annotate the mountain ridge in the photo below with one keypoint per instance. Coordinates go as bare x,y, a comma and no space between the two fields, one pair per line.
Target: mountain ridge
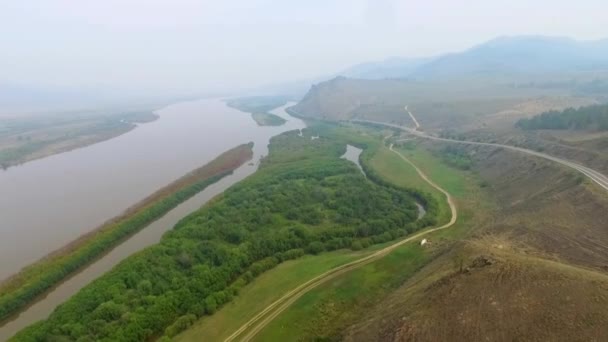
498,56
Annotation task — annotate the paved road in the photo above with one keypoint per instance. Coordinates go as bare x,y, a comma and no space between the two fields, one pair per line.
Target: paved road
250,329
594,175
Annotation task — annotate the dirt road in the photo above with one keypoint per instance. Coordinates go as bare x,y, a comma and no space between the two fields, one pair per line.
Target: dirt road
262,319
412,117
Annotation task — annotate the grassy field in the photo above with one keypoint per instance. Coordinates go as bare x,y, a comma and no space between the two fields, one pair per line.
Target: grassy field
449,178
33,137
400,173
262,292
324,311
268,119
22,288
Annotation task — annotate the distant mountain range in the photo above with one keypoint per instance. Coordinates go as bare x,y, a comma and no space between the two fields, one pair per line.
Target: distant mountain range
395,67
498,57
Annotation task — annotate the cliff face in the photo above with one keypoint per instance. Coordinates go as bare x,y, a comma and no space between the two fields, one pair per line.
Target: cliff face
342,98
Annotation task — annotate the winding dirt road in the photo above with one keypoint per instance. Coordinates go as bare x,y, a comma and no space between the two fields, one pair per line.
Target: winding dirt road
248,330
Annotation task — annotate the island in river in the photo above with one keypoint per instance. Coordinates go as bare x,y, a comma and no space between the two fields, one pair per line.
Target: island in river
260,107
22,288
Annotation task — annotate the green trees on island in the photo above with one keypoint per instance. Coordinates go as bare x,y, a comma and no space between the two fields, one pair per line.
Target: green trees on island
591,117
20,290
304,199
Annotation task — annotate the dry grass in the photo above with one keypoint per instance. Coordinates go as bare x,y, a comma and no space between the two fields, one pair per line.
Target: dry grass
514,299
549,279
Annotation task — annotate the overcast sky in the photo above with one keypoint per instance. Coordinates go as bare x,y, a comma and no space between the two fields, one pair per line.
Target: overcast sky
200,45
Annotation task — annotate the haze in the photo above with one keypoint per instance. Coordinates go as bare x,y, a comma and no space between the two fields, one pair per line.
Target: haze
184,46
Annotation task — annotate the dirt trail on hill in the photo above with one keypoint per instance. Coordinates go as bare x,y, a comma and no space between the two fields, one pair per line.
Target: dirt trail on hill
413,117
250,329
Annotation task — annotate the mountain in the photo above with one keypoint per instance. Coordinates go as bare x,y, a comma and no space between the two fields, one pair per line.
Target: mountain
514,55
519,55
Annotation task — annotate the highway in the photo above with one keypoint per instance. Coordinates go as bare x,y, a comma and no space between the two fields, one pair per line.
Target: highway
594,175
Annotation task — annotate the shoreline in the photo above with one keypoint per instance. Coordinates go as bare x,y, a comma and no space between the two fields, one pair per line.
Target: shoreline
33,282
51,148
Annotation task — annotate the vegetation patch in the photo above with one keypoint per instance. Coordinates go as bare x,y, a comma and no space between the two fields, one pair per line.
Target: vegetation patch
263,291
267,119
591,118
303,200
456,156
24,287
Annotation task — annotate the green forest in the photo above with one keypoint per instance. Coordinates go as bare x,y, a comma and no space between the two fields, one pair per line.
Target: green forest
591,118
303,200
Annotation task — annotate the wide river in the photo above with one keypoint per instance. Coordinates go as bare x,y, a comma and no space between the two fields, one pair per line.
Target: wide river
49,202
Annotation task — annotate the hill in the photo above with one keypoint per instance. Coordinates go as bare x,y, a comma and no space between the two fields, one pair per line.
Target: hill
533,272
436,104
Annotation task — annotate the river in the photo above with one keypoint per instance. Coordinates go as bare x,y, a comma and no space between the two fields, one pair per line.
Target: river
49,202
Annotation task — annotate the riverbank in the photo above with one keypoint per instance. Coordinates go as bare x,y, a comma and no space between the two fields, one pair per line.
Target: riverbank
30,138
303,200
21,289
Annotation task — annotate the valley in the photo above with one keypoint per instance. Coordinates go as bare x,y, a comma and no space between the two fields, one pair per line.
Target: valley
439,196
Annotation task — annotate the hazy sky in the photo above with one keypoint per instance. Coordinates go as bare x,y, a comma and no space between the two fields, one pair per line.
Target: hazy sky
200,45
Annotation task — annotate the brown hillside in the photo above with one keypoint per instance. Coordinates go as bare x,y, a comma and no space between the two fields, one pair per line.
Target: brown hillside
512,299
437,104
537,271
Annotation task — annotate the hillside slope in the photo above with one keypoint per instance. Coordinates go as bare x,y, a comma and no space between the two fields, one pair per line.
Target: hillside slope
536,271
448,103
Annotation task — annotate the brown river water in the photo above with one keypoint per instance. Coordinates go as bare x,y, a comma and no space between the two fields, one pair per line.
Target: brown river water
46,203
